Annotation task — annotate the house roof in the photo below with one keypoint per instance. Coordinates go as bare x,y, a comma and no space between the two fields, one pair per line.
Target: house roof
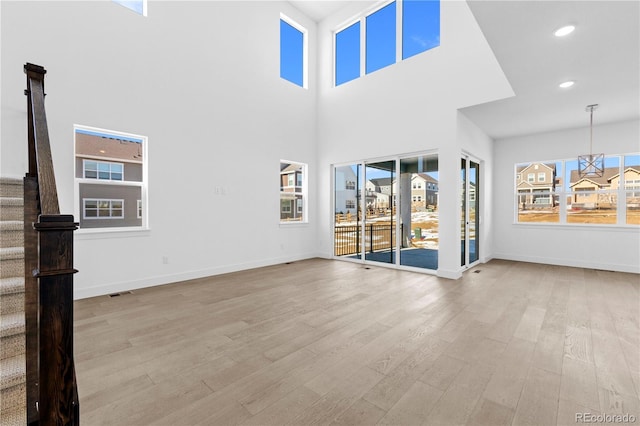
603,180
633,168
427,178
552,166
93,146
289,168
381,181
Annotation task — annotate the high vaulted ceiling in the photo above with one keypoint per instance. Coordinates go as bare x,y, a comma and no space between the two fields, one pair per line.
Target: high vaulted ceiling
602,56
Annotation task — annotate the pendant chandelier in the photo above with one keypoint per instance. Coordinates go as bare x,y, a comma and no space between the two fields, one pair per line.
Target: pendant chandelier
591,165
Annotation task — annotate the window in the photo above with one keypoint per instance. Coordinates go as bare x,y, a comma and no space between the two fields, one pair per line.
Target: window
420,26
417,30
102,170
381,38
293,192
293,52
351,185
138,6
110,178
531,177
350,204
561,195
631,176
347,54
102,209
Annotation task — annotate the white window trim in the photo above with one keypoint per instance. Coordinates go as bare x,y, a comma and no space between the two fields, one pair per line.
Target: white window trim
142,184
110,200
305,48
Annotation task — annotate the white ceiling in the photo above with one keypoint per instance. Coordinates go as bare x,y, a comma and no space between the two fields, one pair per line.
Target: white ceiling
602,55
319,9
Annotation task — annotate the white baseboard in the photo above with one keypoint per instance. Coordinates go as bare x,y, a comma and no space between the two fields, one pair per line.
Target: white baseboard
576,263
101,290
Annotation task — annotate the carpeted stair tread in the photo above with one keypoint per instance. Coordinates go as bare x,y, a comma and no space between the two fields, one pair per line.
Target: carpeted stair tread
10,187
12,371
13,416
11,233
11,225
7,253
11,285
13,396
11,324
11,201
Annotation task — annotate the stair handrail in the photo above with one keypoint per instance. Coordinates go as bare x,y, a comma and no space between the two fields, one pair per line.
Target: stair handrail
52,394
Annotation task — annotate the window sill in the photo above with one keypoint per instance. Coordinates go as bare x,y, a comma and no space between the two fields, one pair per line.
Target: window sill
581,226
99,233
294,224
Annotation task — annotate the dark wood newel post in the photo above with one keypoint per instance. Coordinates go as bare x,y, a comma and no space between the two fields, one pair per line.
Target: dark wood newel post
57,380
52,395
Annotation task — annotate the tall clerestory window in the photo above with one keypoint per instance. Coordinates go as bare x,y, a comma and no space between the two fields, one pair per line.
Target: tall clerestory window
387,39
293,51
138,6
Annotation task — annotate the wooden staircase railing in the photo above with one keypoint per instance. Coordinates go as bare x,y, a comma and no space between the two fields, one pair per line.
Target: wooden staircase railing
52,395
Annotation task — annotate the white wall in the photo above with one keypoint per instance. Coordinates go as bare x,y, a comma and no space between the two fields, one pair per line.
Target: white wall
590,246
201,80
405,108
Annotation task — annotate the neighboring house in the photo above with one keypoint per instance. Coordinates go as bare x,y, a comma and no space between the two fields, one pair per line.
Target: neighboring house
631,180
610,180
424,191
379,193
346,193
291,197
535,184
109,174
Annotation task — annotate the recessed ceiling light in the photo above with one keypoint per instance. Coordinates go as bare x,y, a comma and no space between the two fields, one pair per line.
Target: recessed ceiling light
567,84
561,32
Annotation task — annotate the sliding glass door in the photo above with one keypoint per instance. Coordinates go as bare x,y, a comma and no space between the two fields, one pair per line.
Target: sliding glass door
387,211
380,211
419,211
348,211
470,211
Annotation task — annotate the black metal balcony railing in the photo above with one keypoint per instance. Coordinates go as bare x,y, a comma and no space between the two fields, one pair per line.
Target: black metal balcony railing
376,237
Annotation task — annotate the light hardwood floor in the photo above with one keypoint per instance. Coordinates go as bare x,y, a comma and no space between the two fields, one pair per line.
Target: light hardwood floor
330,342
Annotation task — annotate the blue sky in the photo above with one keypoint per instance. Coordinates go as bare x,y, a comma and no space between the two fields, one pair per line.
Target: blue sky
291,54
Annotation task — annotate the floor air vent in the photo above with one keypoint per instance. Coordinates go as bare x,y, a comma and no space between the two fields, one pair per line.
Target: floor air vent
119,294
